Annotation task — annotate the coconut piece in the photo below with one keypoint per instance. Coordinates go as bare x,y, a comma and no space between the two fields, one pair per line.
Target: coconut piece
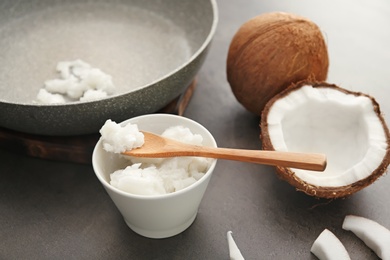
117,138
346,126
77,81
93,94
374,235
45,97
271,51
234,252
328,247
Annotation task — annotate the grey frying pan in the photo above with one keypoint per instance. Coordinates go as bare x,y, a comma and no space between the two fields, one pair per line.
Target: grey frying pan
152,49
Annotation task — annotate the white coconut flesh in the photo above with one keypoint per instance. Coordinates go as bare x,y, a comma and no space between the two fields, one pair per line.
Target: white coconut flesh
234,251
374,235
328,247
341,125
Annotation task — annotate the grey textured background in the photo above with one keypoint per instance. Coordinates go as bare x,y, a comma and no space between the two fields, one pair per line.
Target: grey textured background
54,210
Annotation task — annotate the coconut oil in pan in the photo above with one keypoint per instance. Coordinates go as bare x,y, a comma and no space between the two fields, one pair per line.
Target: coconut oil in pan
134,45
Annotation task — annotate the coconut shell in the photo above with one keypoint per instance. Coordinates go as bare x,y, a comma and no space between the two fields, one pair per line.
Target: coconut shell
288,175
271,51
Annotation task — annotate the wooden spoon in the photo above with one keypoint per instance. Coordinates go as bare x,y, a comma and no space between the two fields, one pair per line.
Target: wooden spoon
156,146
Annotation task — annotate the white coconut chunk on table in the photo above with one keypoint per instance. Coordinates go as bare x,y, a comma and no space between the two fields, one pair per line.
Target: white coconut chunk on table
373,234
234,251
327,246
343,126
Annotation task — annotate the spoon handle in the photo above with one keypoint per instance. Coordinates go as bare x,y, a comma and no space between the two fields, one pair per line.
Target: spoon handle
306,161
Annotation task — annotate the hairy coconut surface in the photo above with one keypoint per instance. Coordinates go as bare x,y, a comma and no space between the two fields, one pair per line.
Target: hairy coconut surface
271,51
346,126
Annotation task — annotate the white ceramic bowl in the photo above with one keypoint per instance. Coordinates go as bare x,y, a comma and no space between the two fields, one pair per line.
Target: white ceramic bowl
155,216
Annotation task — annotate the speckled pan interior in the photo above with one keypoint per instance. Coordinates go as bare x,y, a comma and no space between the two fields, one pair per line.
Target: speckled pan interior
152,49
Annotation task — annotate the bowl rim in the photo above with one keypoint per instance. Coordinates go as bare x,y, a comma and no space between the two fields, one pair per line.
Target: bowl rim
204,178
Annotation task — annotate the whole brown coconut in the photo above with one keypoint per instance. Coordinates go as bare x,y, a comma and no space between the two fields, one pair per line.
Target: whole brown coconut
271,51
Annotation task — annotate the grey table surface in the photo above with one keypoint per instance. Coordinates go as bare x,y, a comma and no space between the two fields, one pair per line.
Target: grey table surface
58,210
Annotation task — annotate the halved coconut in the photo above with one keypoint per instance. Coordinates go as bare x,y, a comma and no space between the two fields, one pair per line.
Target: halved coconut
322,118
